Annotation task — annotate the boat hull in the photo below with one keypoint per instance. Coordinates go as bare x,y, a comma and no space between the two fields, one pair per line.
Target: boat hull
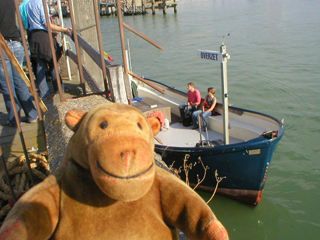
244,166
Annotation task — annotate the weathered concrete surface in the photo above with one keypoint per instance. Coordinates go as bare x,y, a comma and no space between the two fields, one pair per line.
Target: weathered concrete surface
85,23
58,134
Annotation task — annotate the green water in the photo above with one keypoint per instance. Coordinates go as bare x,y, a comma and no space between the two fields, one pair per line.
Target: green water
274,68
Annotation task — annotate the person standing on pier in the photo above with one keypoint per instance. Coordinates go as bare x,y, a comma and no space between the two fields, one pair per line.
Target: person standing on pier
40,46
22,96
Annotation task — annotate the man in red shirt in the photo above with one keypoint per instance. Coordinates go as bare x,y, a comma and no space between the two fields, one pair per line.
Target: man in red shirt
194,96
194,100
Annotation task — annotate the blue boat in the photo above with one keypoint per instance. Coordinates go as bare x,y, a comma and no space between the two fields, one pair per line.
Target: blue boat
238,145
242,165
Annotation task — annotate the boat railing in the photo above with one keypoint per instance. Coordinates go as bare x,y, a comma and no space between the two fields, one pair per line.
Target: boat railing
239,130
242,125
168,88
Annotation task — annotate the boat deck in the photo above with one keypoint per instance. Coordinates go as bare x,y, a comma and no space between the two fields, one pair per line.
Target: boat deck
176,134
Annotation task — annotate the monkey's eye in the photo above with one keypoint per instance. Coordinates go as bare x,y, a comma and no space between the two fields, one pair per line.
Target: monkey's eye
104,125
140,126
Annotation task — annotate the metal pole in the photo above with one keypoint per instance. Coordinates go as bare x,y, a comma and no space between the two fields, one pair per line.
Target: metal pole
14,106
129,56
64,40
54,57
75,39
225,97
123,47
103,64
36,97
142,36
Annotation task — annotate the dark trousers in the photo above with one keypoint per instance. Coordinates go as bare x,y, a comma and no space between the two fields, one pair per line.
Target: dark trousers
186,110
41,80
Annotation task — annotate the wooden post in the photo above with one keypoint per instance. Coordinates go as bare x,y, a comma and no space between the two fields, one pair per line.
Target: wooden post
84,17
153,7
107,9
134,7
143,6
164,5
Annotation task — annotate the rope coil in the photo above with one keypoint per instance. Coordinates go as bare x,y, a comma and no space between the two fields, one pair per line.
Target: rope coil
20,178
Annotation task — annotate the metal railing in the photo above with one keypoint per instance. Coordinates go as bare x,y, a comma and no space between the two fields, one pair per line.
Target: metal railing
41,108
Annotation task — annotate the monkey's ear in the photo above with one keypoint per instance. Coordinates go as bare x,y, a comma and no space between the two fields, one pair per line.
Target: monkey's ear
74,117
154,124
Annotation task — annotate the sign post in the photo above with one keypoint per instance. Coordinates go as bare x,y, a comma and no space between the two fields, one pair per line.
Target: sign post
225,94
222,58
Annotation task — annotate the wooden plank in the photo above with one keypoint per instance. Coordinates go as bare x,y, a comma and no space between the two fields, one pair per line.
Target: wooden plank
119,90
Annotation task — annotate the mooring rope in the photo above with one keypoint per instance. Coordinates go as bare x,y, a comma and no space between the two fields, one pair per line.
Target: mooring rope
20,178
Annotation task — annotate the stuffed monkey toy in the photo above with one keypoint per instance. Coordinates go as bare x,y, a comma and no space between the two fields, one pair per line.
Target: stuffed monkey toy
108,187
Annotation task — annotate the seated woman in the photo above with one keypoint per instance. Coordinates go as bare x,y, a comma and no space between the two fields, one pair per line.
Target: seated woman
210,102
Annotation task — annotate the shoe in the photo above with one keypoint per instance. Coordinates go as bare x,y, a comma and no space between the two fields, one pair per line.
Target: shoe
9,125
48,98
33,121
194,128
67,90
